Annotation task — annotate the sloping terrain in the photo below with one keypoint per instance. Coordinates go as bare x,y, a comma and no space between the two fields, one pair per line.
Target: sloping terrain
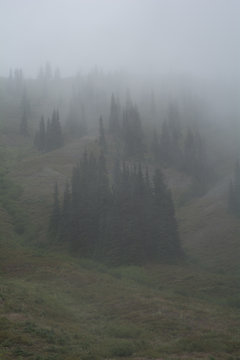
54,305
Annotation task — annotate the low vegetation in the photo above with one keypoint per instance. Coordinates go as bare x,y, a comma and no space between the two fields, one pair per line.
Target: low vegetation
135,255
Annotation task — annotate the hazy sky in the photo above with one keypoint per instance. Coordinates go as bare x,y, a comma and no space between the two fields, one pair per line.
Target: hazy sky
200,37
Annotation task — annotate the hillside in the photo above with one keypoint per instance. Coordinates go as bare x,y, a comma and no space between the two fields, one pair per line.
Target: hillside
209,233
120,180
54,305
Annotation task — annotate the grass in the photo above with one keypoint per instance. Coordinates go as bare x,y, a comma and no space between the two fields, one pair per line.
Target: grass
57,306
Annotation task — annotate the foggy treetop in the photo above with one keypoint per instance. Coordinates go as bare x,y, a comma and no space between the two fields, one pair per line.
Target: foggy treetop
197,37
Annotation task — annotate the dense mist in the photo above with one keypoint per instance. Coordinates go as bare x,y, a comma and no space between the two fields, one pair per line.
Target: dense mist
119,179
195,37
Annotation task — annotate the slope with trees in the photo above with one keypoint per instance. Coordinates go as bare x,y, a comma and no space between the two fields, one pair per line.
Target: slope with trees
49,136
130,221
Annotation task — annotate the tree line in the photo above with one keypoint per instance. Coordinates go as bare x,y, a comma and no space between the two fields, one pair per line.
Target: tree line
49,135
176,147
126,217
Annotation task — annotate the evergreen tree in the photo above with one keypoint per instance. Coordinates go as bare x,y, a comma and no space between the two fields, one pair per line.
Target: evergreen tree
170,140
56,137
102,138
155,146
165,238
42,135
114,118
165,145
48,71
132,133
50,137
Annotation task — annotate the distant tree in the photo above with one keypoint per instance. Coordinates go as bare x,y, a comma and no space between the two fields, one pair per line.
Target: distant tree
114,118
153,111
56,138
155,147
48,71
165,145
49,137
164,221
170,139
102,138
18,80
132,133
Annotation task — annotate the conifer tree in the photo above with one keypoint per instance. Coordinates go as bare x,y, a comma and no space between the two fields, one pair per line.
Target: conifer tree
56,137
170,140
132,133
102,138
50,137
165,238
114,118
165,145
155,147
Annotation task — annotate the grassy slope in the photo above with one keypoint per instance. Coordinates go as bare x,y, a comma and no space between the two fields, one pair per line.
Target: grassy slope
54,306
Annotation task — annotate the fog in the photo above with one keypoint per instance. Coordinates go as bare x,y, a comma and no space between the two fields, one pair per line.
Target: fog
200,38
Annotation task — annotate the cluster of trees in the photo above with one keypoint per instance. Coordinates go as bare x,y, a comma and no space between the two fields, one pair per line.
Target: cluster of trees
16,75
128,218
166,148
47,73
234,191
16,83
126,125
49,136
185,152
